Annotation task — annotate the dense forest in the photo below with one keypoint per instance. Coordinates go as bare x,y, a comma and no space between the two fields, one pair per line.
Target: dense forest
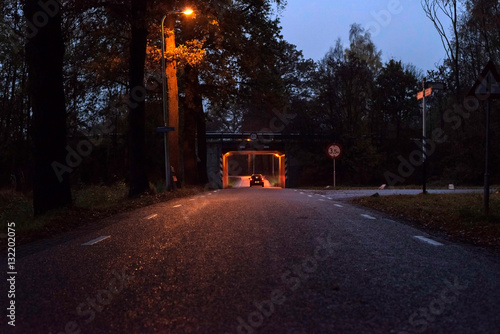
81,94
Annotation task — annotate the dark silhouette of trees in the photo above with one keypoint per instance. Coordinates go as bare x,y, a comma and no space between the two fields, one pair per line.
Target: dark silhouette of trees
235,72
137,95
44,55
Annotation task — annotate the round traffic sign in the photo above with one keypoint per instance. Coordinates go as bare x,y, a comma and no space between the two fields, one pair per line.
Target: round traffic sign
334,150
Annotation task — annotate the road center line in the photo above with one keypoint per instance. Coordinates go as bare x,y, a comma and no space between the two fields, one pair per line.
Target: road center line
321,200
177,206
427,240
369,217
339,206
93,242
310,195
152,216
329,198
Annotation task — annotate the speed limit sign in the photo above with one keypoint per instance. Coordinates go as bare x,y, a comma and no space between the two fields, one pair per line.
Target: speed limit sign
334,151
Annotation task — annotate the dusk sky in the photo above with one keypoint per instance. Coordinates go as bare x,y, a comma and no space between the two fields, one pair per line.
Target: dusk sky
399,28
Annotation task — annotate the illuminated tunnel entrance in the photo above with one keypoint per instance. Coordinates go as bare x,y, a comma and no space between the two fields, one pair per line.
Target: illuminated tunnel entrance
271,164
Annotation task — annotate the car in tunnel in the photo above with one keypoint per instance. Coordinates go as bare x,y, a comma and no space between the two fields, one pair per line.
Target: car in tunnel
256,179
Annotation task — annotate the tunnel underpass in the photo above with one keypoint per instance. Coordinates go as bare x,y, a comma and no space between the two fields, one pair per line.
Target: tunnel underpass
271,164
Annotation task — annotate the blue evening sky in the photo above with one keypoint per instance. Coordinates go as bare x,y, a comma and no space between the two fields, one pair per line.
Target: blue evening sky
399,28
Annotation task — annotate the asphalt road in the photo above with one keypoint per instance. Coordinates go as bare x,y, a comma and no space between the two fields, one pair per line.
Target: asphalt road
254,260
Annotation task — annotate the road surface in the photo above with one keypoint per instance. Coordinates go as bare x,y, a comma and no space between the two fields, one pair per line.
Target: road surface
253,260
344,194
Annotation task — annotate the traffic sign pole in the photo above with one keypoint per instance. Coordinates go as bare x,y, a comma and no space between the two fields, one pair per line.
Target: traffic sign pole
334,175
487,87
487,157
421,96
424,153
334,151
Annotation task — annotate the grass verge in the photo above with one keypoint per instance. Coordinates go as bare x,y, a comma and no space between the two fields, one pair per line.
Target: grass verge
90,205
460,216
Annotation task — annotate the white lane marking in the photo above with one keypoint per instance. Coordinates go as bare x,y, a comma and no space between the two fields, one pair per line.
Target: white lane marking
151,216
302,193
368,217
321,200
192,199
339,206
93,242
427,240
323,196
329,198
177,206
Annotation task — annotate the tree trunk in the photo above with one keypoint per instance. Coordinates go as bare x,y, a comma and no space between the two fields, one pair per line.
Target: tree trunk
456,51
137,119
44,56
173,100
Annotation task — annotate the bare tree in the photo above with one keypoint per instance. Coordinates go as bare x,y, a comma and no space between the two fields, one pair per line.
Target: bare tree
434,9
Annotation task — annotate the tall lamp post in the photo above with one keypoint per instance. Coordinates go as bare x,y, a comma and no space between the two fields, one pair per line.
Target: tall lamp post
173,109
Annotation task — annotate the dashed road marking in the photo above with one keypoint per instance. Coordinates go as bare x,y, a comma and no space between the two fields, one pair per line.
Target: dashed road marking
302,193
321,200
177,206
310,195
192,199
329,198
93,242
339,206
368,217
151,216
427,240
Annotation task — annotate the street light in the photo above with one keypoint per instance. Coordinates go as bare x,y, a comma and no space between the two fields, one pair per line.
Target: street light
174,112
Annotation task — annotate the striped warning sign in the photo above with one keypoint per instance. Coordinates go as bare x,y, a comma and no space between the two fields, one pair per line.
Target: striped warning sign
286,169
221,169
